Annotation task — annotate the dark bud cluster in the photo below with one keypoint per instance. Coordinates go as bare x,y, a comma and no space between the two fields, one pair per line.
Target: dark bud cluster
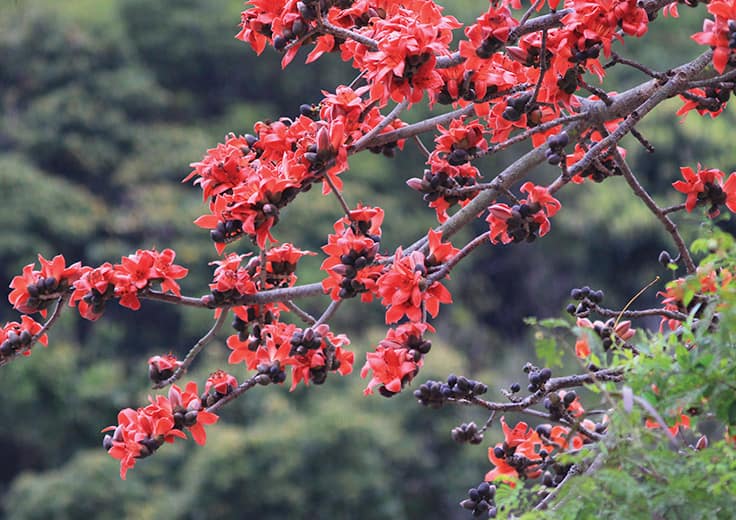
350,264
732,34
588,299
227,231
305,340
467,432
466,91
15,341
537,377
96,299
435,393
606,333
519,105
591,51
319,159
310,111
481,501
255,316
557,407
442,185
556,147
299,27
555,474
413,63
569,82
268,374
714,195
418,347
43,293
602,168
521,226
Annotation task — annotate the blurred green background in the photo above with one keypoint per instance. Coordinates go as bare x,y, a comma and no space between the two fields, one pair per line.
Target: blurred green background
102,107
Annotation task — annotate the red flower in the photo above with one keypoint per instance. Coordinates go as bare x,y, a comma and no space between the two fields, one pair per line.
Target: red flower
403,66
34,290
281,263
695,182
397,358
391,367
221,382
524,221
403,289
17,337
717,33
188,405
92,290
582,347
162,367
272,346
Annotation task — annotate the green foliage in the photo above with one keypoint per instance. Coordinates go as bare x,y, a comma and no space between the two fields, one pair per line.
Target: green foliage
636,472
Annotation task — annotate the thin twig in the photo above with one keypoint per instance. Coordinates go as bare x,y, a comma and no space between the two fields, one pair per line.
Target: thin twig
445,269
241,389
303,315
421,146
611,313
574,470
390,117
664,219
329,312
195,350
554,384
338,195
615,58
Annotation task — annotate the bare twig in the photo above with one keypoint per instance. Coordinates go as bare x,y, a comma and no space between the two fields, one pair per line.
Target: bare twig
390,117
664,219
445,269
195,350
329,312
303,315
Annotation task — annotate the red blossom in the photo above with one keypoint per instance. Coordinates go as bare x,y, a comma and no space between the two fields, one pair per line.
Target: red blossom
718,32
403,289
34,290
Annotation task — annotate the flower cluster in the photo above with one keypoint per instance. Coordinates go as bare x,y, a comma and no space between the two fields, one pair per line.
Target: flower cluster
397,358
352,255
706,186
311,353
526,220
134,275
409,39
90,288
35,289
141,432
526,453
405,289
16,337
